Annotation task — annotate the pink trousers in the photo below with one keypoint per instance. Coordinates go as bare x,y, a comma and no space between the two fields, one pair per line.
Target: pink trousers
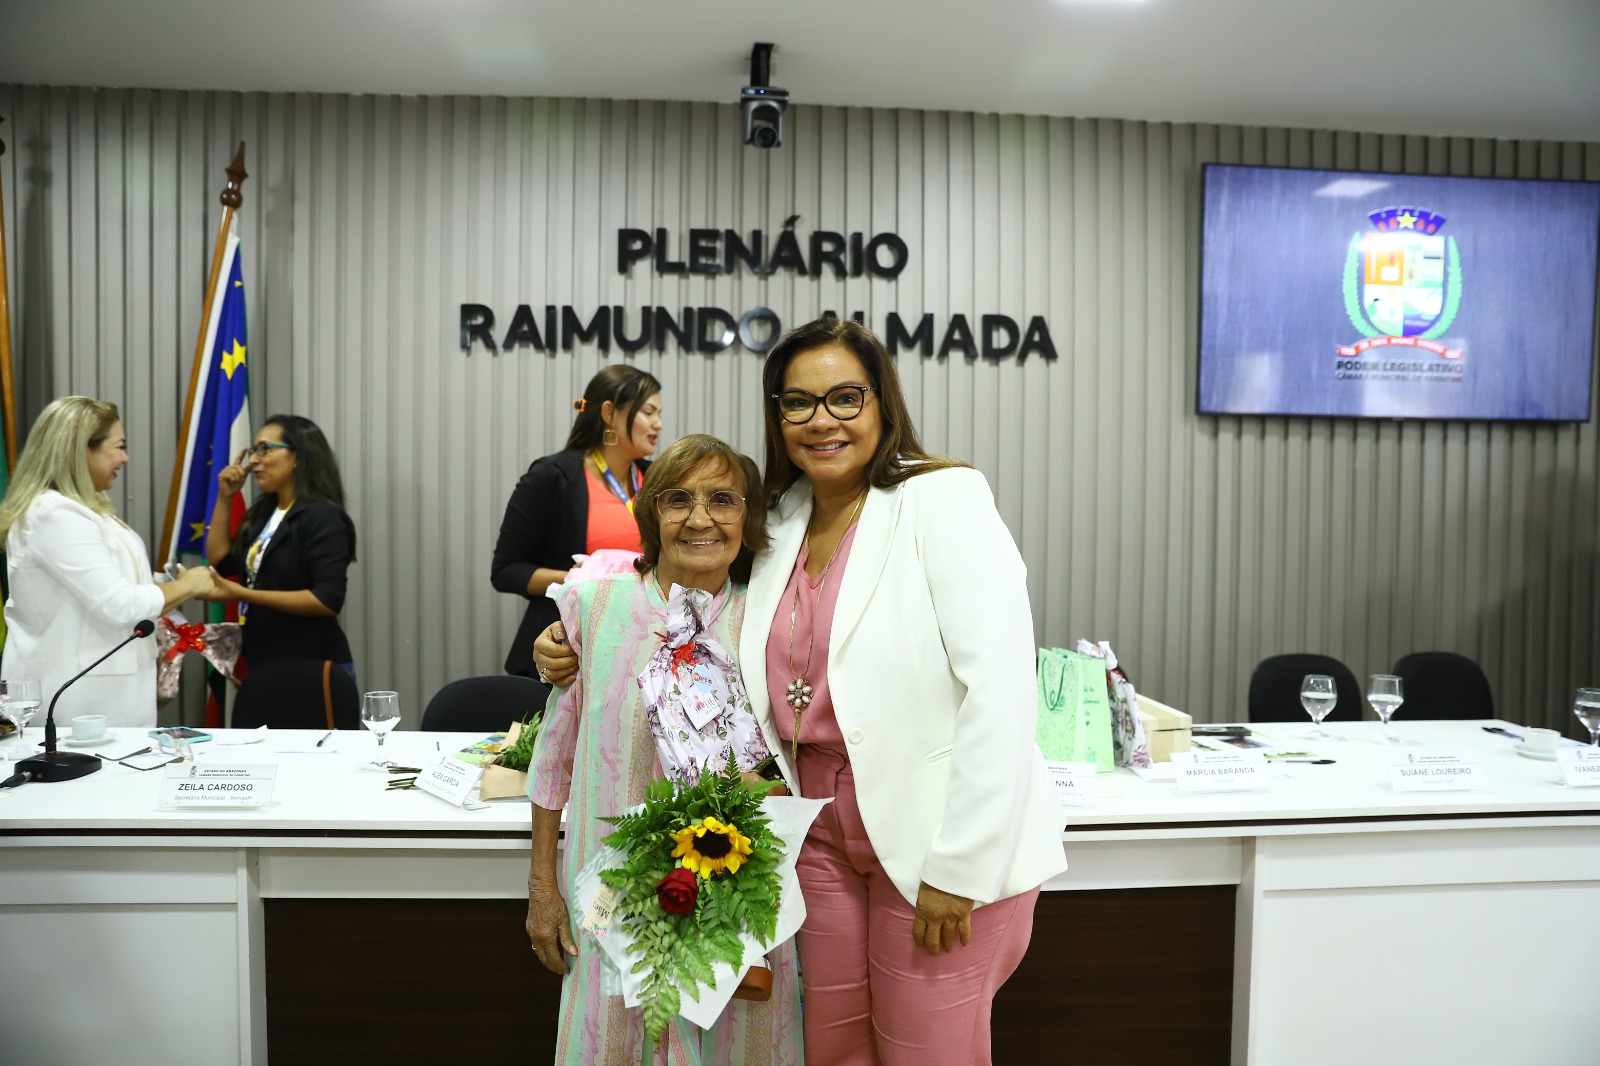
873,997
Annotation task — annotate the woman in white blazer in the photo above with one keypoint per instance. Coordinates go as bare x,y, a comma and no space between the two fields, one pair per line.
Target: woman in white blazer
79,577
888,652
893,601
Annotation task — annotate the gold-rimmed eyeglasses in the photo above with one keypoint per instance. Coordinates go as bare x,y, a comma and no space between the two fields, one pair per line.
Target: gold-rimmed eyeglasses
675,505
844,402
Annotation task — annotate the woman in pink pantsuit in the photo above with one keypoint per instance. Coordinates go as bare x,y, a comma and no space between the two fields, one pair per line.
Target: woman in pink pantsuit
891,613
891,616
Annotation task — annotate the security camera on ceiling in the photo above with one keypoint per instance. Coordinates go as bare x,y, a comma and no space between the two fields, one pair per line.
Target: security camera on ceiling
762,105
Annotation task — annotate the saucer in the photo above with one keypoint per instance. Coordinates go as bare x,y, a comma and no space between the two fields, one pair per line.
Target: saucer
74,742
1543,756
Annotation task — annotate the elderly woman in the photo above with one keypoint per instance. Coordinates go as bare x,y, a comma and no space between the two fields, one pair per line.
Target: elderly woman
700,525
891,615
80,578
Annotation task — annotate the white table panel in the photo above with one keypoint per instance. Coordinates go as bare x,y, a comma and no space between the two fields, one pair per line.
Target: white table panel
120,984
1488,975
1506,853
124,875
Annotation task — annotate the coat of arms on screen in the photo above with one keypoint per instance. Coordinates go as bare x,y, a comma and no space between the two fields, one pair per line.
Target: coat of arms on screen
1402,282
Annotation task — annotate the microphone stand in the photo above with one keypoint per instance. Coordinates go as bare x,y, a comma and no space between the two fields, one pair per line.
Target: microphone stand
56,765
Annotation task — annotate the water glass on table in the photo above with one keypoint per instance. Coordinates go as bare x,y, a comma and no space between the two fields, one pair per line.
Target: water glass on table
1587,708
22,697
1319,696
380,712
1385,695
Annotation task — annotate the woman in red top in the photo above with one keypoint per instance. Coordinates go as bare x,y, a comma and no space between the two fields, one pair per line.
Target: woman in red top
579,500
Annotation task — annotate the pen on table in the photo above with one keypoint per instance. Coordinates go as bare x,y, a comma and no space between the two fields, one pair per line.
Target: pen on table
1502,732
324,739
1313,762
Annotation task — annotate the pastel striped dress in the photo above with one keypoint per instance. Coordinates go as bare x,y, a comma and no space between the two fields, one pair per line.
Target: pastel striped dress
595,756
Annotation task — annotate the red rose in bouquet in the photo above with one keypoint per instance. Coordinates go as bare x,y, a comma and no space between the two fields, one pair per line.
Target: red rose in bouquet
676,892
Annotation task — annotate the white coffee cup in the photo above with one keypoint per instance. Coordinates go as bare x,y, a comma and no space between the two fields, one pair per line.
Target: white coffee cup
88,727
1540,741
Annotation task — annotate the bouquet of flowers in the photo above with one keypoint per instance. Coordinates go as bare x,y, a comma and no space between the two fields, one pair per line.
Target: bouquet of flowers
699,870
694,885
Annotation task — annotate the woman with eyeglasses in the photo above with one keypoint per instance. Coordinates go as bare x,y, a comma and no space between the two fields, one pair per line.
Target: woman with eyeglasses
658,648
891,625
80,577
579,500
293,550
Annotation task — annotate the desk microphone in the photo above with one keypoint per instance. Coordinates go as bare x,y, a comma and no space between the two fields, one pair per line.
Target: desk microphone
56,765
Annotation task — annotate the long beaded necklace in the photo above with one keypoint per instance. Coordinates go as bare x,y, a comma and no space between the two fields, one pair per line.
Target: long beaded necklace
799,692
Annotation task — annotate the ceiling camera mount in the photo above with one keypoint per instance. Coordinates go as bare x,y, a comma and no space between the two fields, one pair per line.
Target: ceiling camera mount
761,104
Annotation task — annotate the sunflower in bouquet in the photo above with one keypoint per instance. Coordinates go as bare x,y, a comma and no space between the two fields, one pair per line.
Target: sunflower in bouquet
700,870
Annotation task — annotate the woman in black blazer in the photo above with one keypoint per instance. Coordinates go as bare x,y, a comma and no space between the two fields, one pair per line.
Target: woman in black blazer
293,549
579,500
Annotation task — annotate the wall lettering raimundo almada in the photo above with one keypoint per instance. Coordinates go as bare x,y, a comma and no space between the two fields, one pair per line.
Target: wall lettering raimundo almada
710,252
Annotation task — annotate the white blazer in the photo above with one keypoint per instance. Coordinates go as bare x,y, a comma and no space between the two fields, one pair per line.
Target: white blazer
79,582
932,670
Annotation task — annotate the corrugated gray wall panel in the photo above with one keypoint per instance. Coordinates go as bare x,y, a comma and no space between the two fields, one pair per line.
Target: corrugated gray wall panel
1196,545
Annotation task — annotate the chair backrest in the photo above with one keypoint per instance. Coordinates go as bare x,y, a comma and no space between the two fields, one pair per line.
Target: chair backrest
298,694
1275,688
484,704
1443,685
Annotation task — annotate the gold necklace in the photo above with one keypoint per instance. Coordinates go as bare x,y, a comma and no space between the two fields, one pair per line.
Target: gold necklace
799,692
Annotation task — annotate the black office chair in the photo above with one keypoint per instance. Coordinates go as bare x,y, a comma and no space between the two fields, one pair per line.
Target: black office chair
1275,688
1443,686
298,694
483,704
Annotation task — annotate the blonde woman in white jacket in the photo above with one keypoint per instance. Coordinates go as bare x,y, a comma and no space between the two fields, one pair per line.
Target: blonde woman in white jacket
80,578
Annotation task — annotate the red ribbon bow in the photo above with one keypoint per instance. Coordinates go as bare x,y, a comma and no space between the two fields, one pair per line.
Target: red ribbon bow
188,638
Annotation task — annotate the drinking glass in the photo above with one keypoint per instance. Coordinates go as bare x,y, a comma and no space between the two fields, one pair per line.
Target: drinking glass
22,698
1587,708
1385,695
1318,695
380,712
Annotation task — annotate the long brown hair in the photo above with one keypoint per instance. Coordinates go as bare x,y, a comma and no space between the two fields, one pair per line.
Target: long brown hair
900,454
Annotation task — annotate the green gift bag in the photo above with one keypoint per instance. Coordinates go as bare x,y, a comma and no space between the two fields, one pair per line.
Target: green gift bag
1074,710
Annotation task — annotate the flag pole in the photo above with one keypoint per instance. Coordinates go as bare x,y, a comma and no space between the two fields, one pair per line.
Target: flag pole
8,393
231,198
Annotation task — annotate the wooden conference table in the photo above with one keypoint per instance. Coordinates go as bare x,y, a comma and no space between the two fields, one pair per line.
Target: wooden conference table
1328,920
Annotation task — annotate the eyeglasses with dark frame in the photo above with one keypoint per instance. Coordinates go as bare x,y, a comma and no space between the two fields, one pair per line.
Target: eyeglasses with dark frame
844,402
263,448
675,505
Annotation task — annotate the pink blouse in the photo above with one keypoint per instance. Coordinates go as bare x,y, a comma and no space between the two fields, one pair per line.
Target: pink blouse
813,622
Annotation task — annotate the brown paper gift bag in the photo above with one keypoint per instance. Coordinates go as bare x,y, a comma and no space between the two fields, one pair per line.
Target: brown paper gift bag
499,782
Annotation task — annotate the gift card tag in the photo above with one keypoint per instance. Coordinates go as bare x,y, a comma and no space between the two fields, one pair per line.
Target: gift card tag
1580,767
1073,782
450,779
1435,771
190,785
1220,771
601,908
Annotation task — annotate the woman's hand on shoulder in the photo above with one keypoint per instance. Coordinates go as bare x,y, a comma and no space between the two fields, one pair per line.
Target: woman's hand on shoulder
942,918
548,926
557,662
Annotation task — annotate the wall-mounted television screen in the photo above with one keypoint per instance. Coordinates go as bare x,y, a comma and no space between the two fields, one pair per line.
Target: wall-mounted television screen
1365,295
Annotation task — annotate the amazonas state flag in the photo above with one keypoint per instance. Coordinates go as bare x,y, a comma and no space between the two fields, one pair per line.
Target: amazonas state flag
219,427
